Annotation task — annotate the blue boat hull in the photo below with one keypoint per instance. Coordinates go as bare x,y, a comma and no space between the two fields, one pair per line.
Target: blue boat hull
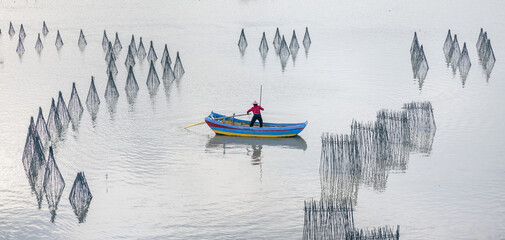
231,126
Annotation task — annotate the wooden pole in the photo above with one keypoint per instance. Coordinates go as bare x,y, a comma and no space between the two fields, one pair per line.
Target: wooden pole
196,124
192,125
261,92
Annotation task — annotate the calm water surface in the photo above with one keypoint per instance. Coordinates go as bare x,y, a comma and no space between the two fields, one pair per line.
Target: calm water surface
170,183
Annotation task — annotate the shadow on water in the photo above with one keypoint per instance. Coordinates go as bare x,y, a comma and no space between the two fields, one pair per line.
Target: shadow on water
131,99
111,106
253,146
263,59
152,97
93,112
167,86
242,53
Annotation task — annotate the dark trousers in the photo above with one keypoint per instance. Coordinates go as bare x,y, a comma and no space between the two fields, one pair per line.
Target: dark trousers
255,117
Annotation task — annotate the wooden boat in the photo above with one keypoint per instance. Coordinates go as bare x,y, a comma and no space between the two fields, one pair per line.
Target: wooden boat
231,126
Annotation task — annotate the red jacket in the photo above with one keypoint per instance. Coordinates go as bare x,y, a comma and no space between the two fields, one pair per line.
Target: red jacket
255,109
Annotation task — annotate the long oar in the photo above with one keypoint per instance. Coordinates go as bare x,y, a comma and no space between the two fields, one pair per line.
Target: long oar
261,93
200,123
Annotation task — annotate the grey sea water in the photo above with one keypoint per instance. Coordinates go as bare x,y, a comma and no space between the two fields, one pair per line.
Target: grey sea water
150,178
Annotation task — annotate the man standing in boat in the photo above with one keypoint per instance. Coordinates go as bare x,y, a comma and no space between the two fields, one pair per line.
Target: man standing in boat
257,114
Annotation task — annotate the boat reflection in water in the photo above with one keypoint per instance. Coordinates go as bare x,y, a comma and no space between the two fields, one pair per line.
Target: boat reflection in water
253,146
